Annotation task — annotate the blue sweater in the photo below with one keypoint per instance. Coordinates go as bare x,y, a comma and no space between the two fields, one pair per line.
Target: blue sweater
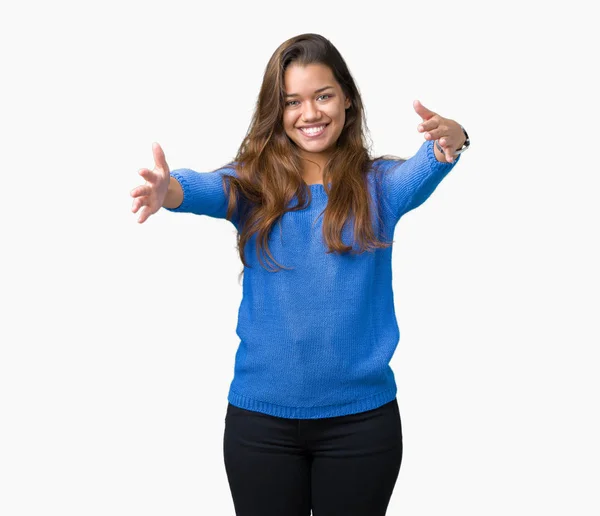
316,341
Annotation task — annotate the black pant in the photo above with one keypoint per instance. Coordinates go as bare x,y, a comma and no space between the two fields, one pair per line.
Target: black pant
336,466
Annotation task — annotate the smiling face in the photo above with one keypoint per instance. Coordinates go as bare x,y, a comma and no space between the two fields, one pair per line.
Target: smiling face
313,97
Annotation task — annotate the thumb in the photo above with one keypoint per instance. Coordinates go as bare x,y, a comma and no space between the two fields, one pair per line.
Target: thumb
159,157
422,111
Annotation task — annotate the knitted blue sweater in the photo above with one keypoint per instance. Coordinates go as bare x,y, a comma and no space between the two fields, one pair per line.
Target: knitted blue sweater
316,339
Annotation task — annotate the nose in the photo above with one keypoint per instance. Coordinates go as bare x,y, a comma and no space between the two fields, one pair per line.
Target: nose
311,113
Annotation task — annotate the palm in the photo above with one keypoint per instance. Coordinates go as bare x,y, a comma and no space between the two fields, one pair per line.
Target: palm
152,193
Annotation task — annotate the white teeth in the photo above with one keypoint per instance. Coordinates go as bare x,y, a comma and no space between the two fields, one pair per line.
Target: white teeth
313,130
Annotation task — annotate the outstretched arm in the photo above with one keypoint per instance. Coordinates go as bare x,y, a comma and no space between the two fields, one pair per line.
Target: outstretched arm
411,182
201,193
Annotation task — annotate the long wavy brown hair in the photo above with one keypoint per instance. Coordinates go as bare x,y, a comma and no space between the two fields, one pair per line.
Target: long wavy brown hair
269,168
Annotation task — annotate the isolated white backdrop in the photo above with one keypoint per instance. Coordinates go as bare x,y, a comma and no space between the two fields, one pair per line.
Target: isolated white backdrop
118,339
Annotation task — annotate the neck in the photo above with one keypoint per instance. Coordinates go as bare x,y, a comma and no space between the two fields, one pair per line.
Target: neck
313,167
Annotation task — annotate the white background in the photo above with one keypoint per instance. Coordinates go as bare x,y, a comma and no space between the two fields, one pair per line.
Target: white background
118,338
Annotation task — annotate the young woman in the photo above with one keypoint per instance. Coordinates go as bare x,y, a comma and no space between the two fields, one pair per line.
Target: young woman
312,421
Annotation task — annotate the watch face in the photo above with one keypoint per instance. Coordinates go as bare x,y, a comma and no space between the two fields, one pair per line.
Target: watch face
463,149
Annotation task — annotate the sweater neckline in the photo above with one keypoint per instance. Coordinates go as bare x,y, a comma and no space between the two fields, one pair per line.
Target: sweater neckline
317,190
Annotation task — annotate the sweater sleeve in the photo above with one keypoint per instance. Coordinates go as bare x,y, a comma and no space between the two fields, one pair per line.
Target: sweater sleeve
412,181
203,192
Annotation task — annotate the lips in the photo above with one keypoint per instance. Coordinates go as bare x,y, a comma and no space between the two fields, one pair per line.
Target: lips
307,135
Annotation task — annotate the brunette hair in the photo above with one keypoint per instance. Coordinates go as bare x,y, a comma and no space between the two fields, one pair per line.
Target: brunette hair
269,168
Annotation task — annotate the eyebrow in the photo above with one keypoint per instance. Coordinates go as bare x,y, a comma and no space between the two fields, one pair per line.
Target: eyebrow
316,91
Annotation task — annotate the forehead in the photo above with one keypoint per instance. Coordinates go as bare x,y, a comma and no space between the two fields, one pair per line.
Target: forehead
306,79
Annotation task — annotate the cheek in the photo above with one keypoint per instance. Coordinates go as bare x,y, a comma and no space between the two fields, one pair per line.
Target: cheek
288,123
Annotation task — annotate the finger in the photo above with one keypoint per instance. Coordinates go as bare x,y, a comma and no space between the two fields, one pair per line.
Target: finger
446,144
144,214
448,153
422,111
428,125
436,133
159,157
141,190
138,203
148,175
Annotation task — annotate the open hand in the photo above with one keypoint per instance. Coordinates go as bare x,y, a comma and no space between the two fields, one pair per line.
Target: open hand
152,194
449,133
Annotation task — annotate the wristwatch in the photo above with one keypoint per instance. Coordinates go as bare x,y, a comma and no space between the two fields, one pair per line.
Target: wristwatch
462,149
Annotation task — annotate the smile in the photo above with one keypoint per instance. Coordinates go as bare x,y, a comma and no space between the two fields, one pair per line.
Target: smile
313,132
